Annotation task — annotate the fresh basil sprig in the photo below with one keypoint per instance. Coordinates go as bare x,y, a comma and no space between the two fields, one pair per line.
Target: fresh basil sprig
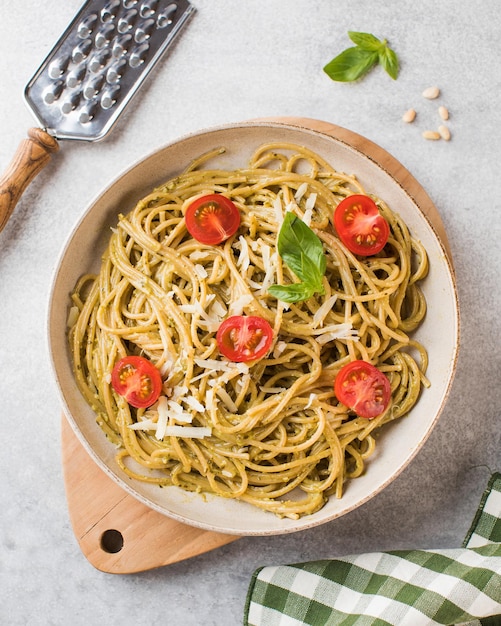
303,252
355,62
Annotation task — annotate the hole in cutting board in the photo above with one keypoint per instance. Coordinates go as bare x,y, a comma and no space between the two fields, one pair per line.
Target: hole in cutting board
112,541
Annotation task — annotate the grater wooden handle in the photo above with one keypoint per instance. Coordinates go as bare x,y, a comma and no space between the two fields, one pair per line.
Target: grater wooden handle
31,157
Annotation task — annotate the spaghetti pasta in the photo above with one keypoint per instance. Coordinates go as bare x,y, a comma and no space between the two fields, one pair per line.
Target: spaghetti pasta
269,432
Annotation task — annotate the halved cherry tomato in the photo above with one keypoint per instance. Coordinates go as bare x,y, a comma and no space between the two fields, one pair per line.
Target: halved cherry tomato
212,219
363,388
244,337
360,226
138,380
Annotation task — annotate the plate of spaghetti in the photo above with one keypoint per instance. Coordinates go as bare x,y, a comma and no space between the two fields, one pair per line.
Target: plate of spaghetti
255,328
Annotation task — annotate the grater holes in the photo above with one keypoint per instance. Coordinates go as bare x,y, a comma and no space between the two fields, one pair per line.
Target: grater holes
81,51
99,61
76,76
110,11
128,4
138,55
148,8
115,71
70,102
109,96
144,31
104,35
86,26
52,93
93,86
166,17
126,22
58,66
87,112
121,45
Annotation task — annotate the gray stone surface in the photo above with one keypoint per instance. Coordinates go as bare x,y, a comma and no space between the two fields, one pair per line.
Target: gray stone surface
241,60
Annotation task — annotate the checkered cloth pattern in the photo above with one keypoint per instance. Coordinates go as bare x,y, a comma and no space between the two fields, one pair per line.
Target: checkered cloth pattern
398,588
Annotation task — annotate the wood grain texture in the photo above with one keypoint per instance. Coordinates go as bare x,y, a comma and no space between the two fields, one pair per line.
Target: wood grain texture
32,155
97,505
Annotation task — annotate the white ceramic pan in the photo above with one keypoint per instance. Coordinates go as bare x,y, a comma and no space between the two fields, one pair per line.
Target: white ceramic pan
398,443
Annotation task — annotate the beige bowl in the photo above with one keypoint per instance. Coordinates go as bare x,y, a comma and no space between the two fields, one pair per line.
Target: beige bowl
399,442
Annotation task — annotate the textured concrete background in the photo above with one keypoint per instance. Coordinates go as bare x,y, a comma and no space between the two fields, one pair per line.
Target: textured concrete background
241,60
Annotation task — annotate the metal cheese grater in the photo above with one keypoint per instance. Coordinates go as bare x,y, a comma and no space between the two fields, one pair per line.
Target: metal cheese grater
89,77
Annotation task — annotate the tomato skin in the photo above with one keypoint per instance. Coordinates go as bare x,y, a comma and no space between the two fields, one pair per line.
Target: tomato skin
212,219
138,380
363,388
244,337
360,226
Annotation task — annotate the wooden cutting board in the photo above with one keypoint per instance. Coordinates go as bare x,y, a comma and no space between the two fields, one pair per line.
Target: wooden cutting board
117,533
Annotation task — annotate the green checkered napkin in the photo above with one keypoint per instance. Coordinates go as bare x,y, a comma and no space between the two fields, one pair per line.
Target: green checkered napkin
401,588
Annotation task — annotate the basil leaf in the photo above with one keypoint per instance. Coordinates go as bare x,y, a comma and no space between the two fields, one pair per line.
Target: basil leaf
355,62
301,249
366,41
303,252
351,64
297,292
389,61
298,243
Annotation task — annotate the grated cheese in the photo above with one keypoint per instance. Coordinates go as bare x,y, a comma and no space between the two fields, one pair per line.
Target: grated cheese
279,348
244,258
147,424
197,255
178,413
307,216
301,190
226,399
237,305
320,314
338,331
279,211
194,404
163,417
210,321
190,432
200,271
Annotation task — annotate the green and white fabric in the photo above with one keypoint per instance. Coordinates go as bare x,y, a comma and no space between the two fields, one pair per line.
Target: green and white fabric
398,588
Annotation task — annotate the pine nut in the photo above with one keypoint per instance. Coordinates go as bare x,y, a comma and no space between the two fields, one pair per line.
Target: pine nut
431,93
445,133
409,116
443,112
431,134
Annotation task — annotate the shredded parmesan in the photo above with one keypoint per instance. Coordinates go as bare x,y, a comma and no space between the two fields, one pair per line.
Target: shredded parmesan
147,424
237,306
301,190
191,432
279,348
339,331
279,211
197,255
200,271
319,316
243,259
178,413
226,399
163,417
194,404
